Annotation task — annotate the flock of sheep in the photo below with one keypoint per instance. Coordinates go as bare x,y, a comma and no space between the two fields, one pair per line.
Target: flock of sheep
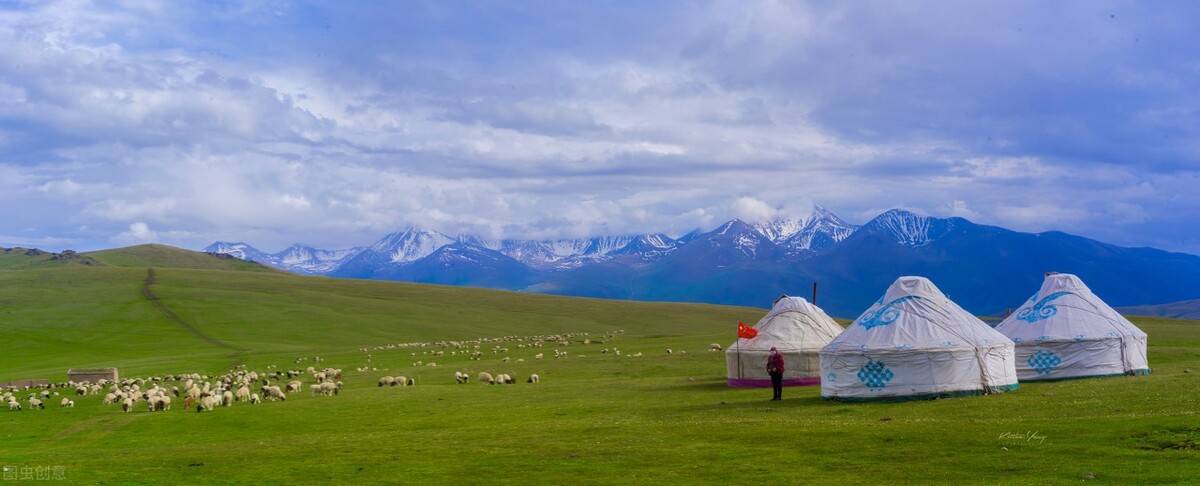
197,391
204,393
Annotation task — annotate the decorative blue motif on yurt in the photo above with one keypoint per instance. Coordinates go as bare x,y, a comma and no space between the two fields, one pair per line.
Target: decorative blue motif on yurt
1042,309
875,374
1044,362
884,315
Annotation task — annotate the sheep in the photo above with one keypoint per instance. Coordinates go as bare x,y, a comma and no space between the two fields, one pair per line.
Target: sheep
36,403
294,386
159,403
109,399
14,406
461,378
669,351
537,356
504,379
714,347
227,398
404,381
534,378
329,388
485,377
126,404
273,392
387,381
242,394
210,403
255,399
66,402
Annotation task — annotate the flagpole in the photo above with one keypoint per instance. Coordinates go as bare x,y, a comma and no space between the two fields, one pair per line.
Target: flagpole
738,345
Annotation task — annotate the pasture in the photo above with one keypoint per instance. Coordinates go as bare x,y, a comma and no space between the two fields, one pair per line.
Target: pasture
595,418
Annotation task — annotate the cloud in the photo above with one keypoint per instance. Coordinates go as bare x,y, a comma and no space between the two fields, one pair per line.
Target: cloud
275,123
138,232
752,210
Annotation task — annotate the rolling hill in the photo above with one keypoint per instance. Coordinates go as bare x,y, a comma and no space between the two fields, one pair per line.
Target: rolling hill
638,416
1187,309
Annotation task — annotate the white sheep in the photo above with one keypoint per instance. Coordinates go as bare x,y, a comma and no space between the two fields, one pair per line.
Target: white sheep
387,381
714,347
227,398
273,392
485,377
66,402
255,399
534,378
243,393
127,405
210,402
14,405
330,388
461,378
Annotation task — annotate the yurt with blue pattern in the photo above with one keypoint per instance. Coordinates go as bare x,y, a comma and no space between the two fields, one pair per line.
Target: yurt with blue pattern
1066,331
914,342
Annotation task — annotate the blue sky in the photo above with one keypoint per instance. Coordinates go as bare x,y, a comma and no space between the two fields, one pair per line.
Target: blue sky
333,123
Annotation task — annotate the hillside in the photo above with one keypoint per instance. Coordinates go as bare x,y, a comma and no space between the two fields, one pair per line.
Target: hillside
637,416
99,316
1187,309
20,258
169,256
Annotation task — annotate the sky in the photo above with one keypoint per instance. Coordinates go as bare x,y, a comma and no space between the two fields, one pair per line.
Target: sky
334,123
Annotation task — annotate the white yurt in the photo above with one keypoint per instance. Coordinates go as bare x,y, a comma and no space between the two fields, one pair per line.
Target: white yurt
914,342
1066,331
798,330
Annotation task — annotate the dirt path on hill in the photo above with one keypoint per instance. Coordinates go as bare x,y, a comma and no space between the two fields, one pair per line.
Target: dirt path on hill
148,293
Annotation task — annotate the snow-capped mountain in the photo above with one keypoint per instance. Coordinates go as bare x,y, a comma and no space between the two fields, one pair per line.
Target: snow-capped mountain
647,247
238,250
410,244
984,268
781,228
296,258
733,242
821,230
306,259
908,228
563,253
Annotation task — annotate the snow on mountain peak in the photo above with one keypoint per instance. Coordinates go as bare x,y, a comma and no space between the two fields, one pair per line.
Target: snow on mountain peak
412,243
780,229
908,228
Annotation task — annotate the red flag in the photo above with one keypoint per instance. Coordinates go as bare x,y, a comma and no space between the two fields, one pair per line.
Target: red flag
746,332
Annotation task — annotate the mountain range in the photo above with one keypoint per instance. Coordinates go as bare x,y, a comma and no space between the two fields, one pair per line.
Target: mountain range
986,269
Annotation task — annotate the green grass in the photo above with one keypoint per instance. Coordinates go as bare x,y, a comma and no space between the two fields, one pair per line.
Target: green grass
142,256
599,418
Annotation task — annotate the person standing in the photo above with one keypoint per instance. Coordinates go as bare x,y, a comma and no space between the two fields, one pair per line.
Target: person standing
775,369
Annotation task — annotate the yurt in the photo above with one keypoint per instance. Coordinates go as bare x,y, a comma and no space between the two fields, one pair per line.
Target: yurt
914,342
1066,331
798,330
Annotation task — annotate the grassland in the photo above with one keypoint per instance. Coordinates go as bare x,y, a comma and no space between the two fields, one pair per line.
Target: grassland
596,418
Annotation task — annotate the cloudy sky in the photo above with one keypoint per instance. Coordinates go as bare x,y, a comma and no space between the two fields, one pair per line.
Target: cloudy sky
274,122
